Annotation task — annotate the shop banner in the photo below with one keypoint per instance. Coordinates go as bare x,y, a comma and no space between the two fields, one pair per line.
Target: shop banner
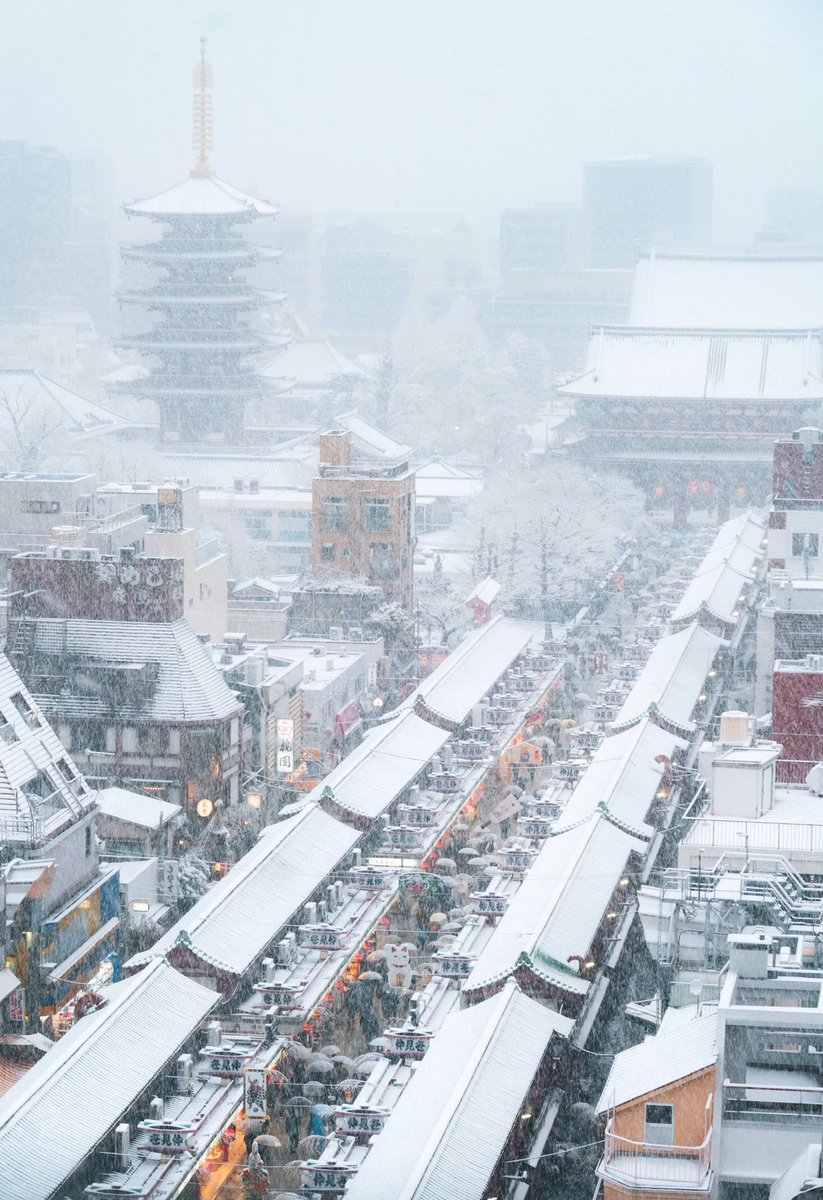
285,746
254,1094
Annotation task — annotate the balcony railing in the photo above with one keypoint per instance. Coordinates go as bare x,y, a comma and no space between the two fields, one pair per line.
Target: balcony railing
646,1164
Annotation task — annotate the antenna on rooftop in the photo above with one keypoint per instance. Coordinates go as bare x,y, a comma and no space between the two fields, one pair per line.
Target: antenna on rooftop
203,140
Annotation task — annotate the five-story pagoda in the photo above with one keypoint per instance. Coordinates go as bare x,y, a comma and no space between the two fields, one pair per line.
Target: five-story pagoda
202,343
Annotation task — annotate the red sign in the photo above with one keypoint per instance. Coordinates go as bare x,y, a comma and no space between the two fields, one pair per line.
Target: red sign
619,581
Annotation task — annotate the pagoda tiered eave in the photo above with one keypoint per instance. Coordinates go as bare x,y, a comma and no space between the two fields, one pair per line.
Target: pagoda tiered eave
239,341
204,250
202,196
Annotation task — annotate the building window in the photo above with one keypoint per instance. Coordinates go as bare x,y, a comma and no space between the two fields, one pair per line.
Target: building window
40,506
258,525
382,561
89,737
327,552
805,545
377,516
659,1125
24,708
88,840
294,527
335,514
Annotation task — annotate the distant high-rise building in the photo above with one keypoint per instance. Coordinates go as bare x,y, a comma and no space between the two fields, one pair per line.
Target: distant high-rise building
539,239
35,221
205,334
627,201
367,277
792,216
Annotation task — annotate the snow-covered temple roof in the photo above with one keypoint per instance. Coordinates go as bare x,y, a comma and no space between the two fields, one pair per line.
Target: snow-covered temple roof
558,908
57,1114
724,573
149,812
29,390
454,1118
673,677
464,678
236,920
310,363
693,364
202,196
728,289
386,762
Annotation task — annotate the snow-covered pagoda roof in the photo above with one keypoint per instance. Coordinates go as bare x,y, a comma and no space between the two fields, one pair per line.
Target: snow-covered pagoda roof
237,918
701,365
31,751
185,685
464,678
82,417
311,363
454,1118
387,761
55,1117
202,196
728,289
558,908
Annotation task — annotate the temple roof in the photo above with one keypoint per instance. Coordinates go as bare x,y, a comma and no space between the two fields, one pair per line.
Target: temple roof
202,195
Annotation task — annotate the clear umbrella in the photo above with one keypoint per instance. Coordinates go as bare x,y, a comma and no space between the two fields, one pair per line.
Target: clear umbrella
330,1050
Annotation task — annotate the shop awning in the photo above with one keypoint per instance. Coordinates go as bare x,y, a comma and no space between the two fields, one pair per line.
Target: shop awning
71,964
347,719
8,982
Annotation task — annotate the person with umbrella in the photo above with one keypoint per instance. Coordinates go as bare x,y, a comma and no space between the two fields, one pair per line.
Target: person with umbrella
293,1121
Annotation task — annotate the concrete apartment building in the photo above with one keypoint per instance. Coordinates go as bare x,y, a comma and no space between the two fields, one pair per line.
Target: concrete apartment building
363,511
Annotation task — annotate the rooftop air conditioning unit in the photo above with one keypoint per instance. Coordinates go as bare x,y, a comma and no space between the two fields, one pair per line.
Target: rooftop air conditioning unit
814,779
184,1073
355,633
336,633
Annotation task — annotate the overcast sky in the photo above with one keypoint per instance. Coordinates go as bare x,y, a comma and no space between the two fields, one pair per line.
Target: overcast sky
454,105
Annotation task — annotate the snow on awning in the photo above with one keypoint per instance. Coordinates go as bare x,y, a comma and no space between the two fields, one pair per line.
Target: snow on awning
237,919
674,676
456,1115
8,982
54,1118
386,762
724,573
470,671
348,717
558,908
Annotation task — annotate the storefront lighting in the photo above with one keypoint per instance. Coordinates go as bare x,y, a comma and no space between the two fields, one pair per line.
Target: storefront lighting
610,916
140,906
205,807
624,882
378,702
526,1116
712,674
254,800
591,964
736,613
702,697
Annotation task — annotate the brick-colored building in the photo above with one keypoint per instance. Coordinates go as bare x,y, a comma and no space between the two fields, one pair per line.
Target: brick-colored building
363,510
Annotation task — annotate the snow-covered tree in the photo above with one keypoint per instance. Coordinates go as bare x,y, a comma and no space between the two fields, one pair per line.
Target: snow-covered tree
194,879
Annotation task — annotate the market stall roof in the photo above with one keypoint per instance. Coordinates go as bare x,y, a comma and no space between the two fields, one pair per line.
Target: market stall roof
455,1116
238,917
53,1118
149,812
724,572
558,907
473,668
387,761
728,288
202,196
622,777
661,1060
674,675
693,364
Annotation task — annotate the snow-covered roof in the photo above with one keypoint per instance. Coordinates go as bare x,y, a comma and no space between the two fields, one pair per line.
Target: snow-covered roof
692,364
661,1060
558,908
724,572
387,761
673,676
29,389
236,920
202,195
464,678
30,746
222,471
455,1116
623,776
147,811
732,289
487,591
188,686
437,479
311,363
369,439
53,1118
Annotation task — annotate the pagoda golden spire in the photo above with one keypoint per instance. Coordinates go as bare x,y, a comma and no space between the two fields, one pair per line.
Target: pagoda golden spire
203,114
